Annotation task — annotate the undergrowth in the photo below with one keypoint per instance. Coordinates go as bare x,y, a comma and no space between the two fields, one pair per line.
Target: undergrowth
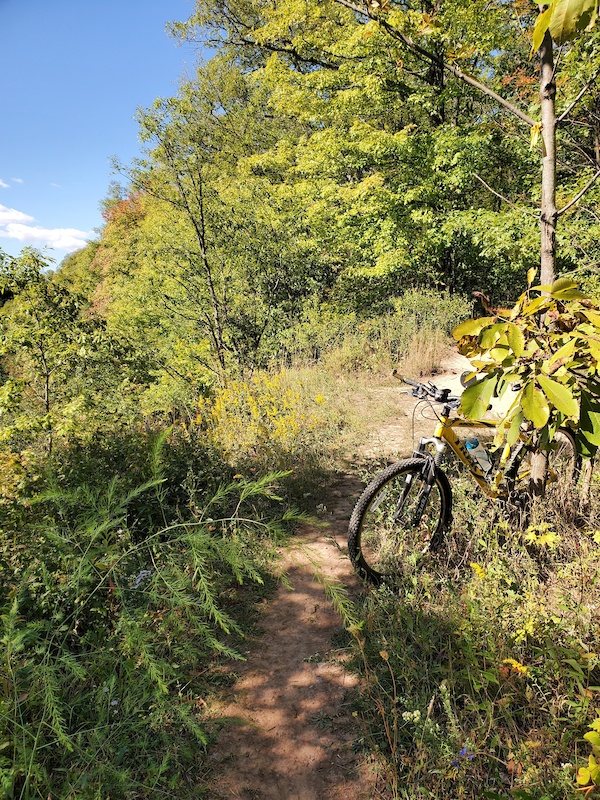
111,621
481,670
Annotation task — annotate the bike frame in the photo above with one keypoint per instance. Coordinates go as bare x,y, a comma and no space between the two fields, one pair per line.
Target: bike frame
445,436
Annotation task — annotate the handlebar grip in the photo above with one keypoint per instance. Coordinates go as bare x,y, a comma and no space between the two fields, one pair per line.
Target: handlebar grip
396,374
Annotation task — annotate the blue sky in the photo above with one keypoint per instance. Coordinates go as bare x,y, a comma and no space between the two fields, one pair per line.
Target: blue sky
72,75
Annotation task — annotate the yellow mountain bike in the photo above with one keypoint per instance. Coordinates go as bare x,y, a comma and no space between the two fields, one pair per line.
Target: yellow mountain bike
406,509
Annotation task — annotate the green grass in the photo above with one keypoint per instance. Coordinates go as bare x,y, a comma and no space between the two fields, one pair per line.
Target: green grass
112,621
481,671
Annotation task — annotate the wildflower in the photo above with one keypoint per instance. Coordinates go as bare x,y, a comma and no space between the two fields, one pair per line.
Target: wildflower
517,667
138,580
478,570
411,716
463,753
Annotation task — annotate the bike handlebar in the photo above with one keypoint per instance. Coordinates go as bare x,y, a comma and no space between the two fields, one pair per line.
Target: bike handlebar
429,391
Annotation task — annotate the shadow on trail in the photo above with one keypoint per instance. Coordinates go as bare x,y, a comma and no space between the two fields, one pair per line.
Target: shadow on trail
288,731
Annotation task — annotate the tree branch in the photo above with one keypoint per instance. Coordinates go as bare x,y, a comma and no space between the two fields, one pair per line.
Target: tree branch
506,200
579,195
435,59
572,105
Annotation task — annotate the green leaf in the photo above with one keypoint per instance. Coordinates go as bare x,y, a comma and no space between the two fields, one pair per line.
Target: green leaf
563,283
516,339
514,429
475,400
569,294
535,406
589,423
593,738
560,396
471,327
491,334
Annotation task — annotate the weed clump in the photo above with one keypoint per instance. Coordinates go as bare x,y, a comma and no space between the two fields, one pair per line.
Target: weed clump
111,620
481,670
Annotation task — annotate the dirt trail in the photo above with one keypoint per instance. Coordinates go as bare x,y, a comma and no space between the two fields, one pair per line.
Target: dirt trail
288,729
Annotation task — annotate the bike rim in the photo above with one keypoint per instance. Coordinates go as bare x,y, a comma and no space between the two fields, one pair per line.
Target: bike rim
393,538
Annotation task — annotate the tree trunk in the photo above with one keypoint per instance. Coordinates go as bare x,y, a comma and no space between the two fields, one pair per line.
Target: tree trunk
539,461
548,207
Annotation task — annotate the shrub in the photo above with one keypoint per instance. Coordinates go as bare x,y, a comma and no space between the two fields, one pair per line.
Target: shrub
347,343
273,422
109,629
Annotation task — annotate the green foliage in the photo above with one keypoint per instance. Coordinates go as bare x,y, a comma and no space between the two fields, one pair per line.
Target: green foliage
346,341
547,348
61,370
108,630
479,678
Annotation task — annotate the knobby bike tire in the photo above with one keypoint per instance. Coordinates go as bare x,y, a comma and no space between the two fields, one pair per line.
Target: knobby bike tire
382,541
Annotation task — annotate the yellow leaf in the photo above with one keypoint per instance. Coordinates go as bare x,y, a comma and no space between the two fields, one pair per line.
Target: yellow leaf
563,353
472,327
570,16
584,776
541,26
516,339
536,132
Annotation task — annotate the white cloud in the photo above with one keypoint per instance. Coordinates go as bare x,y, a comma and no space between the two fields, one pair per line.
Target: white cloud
10,215
68,239
17,180
15,225
3,185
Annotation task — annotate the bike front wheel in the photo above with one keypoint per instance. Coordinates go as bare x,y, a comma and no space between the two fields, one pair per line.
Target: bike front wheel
399,518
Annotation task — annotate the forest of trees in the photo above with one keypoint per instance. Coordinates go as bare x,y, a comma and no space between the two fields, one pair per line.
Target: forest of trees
325,167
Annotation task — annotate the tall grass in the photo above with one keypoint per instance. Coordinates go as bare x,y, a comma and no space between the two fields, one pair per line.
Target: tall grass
481,670
346,343
110,625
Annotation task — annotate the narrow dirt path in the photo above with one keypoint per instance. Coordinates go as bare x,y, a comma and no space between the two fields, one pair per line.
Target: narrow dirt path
288,730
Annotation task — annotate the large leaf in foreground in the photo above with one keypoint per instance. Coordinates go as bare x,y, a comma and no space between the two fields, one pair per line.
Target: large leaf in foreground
559,395
475,399
535,406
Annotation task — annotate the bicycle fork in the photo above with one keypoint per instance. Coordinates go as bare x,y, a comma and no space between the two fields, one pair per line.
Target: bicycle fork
427,473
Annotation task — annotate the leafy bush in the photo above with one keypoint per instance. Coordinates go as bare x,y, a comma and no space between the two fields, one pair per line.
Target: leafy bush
273,422
109,628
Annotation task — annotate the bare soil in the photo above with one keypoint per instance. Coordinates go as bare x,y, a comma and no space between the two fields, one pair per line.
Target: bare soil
288,732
